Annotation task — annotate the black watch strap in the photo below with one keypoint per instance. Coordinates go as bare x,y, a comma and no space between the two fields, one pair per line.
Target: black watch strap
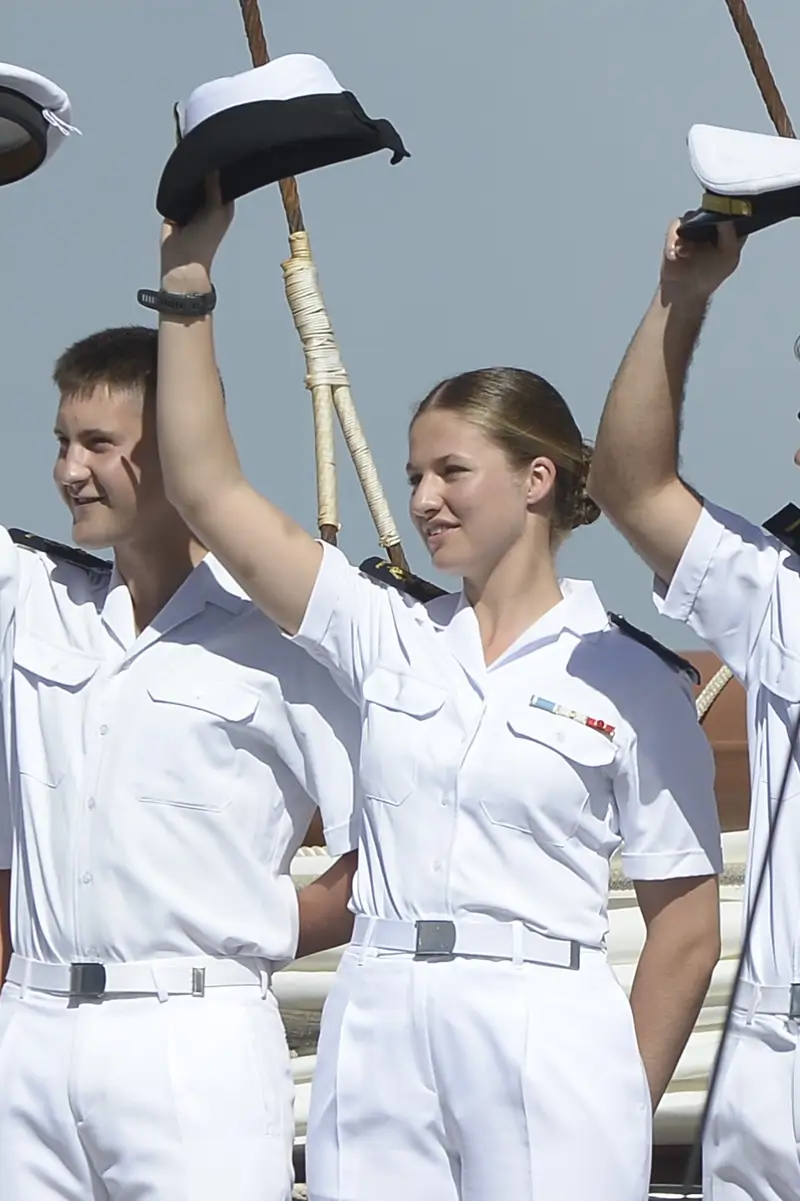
182,304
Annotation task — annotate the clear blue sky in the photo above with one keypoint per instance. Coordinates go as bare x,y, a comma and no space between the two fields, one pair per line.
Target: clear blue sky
548,154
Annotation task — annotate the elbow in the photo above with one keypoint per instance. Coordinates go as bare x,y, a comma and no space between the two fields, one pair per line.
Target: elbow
183,496
605,485
698,949
195,496
189,506
705,951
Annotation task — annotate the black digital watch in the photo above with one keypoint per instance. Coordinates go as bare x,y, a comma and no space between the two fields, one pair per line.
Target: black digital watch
180,304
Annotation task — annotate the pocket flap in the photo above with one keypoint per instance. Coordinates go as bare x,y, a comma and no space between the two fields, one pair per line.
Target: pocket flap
55,664
402,693
576,742
231,702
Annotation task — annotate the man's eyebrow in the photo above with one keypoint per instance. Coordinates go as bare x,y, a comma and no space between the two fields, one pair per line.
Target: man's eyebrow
90,433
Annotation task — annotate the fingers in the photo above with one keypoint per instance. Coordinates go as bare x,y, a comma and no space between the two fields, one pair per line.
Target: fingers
674,247
727,245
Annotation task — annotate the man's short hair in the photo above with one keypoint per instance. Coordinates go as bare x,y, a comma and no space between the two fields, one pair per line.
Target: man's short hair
124,358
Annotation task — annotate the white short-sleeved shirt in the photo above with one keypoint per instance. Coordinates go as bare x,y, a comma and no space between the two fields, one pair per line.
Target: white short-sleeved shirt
739,589
478,800
159,785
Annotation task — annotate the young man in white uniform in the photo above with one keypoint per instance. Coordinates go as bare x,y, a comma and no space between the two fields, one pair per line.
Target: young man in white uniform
739,589
166,748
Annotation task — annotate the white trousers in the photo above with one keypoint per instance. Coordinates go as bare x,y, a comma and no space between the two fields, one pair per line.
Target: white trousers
752,1146
469,1080
132,1099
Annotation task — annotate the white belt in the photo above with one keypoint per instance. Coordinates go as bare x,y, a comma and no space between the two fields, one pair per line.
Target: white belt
779,999
489,940
189,976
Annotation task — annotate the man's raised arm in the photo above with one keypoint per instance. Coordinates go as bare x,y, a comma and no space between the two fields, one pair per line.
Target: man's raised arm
634,475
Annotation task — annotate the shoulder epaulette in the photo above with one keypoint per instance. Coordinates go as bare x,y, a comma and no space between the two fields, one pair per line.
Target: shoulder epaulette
405,581
57,550
785,526
670,657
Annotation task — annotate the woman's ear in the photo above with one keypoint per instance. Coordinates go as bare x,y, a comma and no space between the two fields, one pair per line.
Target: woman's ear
541,480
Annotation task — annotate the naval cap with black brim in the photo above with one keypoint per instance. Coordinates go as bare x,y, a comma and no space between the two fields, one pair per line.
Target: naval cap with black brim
35,117
285,118
751,179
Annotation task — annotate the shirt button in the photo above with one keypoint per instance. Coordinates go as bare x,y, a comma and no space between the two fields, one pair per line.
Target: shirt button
103,730
86,877
437,865
444,802
90,804
93,952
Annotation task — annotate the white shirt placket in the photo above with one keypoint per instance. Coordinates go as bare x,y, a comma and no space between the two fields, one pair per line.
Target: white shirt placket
95,791
470,708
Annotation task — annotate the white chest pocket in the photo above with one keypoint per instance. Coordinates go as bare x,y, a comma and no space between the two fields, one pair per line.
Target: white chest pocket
550,767
399,734
48,681
201,737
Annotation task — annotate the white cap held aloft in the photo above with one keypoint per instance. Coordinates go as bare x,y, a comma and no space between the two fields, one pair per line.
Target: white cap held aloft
752,179
285,118
35,118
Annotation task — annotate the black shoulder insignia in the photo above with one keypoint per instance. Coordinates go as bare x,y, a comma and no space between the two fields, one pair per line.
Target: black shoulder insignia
405,581
785,526
57,550
674,660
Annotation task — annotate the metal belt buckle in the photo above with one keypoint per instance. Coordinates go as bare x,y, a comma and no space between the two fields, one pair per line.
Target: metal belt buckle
794,1001
87,979
435,938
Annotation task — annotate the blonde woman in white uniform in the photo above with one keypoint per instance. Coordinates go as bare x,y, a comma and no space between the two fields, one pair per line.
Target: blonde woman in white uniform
476,1043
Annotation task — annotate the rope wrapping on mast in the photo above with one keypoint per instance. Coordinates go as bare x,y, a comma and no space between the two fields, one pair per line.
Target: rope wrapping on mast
326,377
326,374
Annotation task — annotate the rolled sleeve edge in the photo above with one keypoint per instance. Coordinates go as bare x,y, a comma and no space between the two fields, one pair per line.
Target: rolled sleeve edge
671,865
341,839
678,599
334,570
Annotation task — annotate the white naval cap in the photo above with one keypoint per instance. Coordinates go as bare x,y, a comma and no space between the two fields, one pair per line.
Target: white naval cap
287,117
35,117
752,179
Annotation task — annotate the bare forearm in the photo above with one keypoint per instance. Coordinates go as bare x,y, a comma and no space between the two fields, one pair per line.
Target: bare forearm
325,920
5,923
637,442
197,452
668,991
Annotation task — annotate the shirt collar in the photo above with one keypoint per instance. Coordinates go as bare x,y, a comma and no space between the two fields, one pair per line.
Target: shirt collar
580,610
207,584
